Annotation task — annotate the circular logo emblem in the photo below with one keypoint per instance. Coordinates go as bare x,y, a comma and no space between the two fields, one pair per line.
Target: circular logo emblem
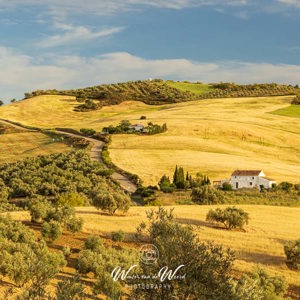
149,254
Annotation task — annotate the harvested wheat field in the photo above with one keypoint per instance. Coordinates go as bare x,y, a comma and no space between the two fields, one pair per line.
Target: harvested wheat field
17,146
260,245
209,136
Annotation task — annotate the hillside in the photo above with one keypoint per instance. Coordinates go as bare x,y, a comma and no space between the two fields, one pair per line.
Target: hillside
16,144
157,91
212,136
261,244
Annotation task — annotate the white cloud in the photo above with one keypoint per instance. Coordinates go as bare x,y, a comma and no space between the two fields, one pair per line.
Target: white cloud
20,73
73,34
293,3
106,7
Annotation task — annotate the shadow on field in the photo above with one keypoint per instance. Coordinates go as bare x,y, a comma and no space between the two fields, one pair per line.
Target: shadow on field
261,258
199,223
101,213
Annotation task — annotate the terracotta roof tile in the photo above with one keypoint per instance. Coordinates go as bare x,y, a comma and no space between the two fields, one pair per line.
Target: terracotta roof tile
246,172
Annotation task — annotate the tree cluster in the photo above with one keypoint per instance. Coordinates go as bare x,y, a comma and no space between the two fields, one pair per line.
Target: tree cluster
149,92
207,267
25,260
126,127
296,100
182,180
157,92
69,178
100,261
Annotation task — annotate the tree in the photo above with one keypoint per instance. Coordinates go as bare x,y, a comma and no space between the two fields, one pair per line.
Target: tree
292,252
51,230
230,217
39,208
1,102
165,184
207,195
260,285
206,267
111,201
178,178
71,199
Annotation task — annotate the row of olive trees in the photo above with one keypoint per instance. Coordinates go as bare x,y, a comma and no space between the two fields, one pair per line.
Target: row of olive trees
68,174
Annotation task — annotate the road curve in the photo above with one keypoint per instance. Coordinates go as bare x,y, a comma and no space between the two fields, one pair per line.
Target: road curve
95,154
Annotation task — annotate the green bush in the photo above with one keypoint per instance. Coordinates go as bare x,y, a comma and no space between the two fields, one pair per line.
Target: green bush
70,289
74,224
66,250
207,195
51,230
226,186
263,286
292,252
230,217
88,131
118,236
39,209
71,199
93,243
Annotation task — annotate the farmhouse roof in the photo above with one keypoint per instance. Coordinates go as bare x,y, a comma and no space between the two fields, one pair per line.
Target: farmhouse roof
246,173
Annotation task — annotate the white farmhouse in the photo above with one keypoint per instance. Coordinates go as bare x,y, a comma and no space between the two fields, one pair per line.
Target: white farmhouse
250,179
137,127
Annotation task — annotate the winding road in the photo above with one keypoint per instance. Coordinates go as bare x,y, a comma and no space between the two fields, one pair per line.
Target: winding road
95,154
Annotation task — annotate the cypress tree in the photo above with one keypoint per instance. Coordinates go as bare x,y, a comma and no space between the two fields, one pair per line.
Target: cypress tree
175,176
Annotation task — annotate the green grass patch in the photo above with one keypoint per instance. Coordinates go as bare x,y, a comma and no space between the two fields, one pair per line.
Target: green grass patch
289,111
196,88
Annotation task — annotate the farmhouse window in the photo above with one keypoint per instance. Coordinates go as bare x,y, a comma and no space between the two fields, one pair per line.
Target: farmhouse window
250,183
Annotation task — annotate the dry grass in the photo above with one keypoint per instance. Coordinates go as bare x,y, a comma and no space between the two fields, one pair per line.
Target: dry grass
16,146
261,245
211,136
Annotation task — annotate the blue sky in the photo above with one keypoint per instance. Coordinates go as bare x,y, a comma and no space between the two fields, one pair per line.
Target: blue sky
75,43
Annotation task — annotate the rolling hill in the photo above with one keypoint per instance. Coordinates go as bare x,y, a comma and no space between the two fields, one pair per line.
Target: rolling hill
212,136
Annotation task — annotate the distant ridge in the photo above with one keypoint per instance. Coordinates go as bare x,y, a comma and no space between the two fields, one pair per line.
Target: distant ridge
157,91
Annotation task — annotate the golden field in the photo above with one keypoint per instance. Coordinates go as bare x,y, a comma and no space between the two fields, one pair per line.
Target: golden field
260,245
16,146
209,136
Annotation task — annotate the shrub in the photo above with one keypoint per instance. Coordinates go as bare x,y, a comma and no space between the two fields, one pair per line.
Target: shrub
226,186
231,217
292,252
51,230
165,185
285,186
207,195
143,118
66,250
88,131
71,199
39,208
263,286
70,289
93,243
74,224
118,236
296,100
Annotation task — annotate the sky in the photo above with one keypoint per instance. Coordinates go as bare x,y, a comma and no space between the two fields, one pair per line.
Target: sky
74,43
